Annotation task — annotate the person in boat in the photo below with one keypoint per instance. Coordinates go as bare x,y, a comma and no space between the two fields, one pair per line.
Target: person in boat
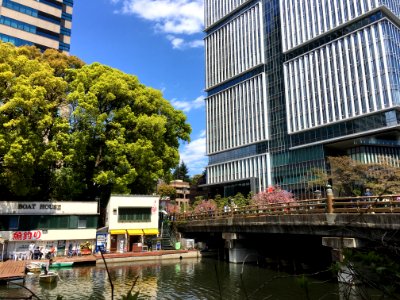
46,267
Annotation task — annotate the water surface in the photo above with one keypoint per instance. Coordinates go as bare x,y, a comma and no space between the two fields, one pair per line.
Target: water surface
178,279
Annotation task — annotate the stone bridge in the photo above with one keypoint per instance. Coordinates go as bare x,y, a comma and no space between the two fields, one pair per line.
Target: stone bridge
339,223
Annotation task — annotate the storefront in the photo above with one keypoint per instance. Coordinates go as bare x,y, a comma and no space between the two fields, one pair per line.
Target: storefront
131,222
47,225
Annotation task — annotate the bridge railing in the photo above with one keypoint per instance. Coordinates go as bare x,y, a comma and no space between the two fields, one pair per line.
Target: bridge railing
345,205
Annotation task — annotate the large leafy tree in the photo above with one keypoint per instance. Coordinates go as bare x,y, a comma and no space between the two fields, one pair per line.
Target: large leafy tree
70,131
125,135
31,131
350,177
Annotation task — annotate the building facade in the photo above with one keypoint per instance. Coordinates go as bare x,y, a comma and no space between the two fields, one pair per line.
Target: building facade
46,224
292,82
42,23
130,221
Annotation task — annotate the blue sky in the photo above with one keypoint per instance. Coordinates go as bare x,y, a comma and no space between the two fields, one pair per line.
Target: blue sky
161,42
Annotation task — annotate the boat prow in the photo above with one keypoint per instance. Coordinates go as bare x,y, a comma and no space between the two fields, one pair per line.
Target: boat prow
50,277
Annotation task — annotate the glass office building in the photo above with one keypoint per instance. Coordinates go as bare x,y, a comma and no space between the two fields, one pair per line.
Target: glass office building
42,23
292,82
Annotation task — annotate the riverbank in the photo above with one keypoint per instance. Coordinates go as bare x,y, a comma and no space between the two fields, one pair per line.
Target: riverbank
130,256
149,255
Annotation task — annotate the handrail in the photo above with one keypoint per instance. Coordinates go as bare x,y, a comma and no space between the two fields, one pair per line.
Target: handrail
341,205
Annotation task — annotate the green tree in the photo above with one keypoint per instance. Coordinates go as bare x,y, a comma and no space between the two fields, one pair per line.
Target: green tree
350,177
75,131
32,132
165,190
181,172
124,135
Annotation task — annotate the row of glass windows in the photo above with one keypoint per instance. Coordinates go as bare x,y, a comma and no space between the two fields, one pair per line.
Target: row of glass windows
306,19
343,129
237,116
134,214
346,78
234,48
251,167
216,10
17,42
53,3
31,11
47,222
66,16
65,31
64,46
373,154
234,154
29,28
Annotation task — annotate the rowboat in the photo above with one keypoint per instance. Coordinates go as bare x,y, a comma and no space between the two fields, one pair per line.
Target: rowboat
61,264
50,277
34,267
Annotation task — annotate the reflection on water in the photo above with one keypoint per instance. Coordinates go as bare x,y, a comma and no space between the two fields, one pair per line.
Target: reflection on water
176,279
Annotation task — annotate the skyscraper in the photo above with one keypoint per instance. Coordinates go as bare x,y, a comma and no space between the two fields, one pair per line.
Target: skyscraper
43,23
291,82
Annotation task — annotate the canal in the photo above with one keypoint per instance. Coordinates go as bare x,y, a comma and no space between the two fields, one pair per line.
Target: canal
178,279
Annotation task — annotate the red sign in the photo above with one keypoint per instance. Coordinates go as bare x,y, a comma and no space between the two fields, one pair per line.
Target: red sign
26,235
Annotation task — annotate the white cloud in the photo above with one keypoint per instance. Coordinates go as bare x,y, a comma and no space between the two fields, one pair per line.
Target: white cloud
194,155
180,43
188,106
171,17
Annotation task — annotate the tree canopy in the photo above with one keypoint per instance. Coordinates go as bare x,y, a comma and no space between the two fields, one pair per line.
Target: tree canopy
350,177
75,131
181,172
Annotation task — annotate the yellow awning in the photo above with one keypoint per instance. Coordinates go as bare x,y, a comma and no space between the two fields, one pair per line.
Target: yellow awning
151,231
118,231
135,232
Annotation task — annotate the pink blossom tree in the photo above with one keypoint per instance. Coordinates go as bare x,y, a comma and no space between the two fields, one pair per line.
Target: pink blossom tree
205,205
273,196
173,209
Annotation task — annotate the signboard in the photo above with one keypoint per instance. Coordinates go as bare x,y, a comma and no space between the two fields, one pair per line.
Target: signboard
33,235
48,208
101,242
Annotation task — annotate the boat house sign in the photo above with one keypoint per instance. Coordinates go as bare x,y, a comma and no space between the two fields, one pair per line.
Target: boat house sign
48,208
39,206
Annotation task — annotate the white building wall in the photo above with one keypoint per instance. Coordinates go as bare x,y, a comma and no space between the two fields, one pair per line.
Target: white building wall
304,20
132,201
251,167
216,10
349,77
237,115
235,47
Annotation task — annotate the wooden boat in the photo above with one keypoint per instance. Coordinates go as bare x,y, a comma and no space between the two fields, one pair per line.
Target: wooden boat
50,277
61,264
34,267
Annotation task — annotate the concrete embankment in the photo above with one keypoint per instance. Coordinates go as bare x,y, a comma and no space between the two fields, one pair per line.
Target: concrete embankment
147,256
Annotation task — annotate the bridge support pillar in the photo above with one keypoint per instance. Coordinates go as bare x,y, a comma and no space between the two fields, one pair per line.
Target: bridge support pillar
237,250
338,244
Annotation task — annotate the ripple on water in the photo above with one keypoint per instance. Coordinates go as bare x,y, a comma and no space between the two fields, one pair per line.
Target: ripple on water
173,280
